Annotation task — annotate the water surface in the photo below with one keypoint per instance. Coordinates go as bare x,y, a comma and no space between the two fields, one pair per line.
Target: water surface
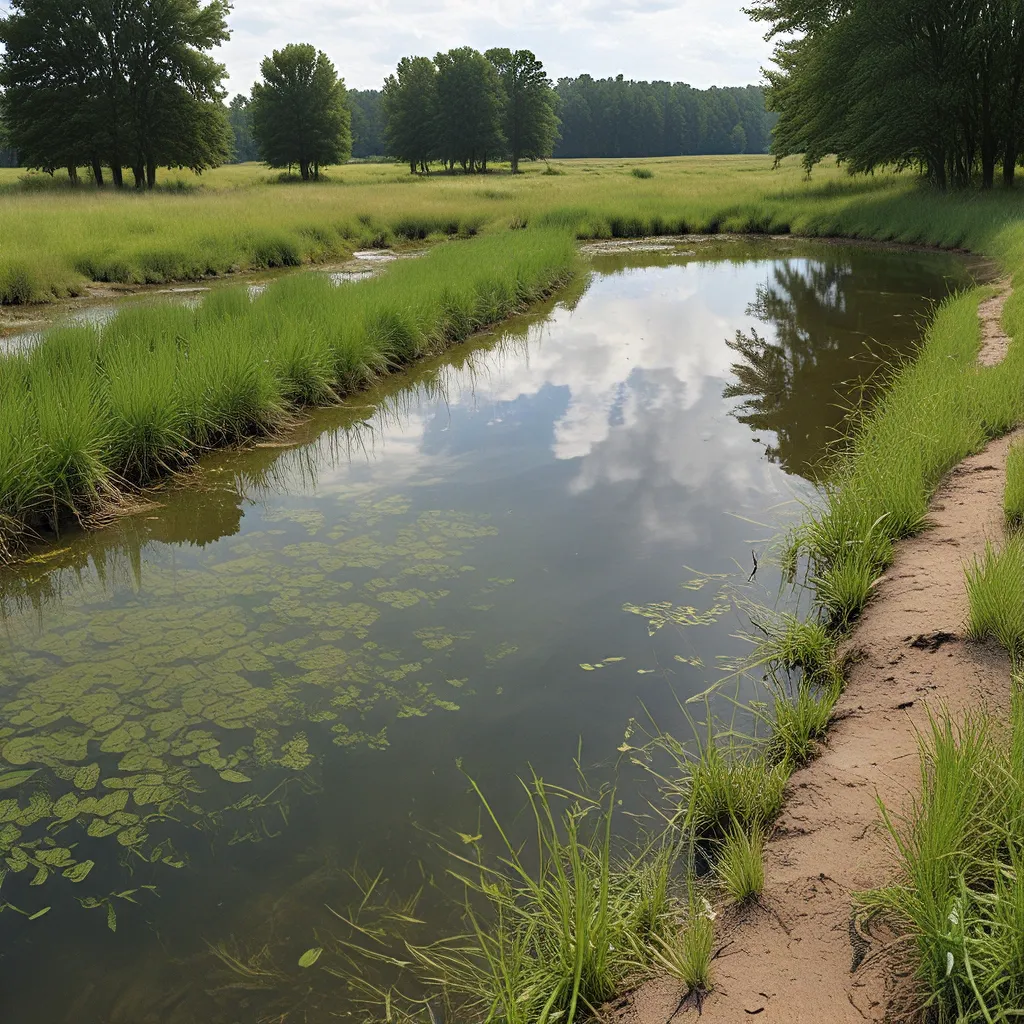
229,701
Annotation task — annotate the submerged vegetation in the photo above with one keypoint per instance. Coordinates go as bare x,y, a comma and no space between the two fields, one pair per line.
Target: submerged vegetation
93,411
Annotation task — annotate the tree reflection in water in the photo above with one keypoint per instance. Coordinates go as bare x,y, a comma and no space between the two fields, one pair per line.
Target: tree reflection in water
836,326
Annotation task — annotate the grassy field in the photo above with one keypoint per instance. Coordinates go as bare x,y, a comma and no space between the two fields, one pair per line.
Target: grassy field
55,239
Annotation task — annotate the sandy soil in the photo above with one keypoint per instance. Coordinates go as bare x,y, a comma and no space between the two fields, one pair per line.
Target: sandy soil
994,342
794,959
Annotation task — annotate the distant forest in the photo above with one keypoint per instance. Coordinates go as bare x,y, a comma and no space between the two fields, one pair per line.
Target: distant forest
611,117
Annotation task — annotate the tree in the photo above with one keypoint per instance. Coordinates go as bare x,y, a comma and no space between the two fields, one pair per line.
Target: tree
367,122
613,117
470,102
929,83
409,108
240,118
529,122
299,111
126,83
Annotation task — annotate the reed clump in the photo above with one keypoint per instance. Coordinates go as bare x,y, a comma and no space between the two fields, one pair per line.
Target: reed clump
550,929
93,412
1013,497
995,593
959,897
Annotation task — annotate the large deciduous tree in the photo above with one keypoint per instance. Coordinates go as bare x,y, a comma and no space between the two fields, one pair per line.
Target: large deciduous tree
529,122
300,115
122,83
932,83
470,105
409,104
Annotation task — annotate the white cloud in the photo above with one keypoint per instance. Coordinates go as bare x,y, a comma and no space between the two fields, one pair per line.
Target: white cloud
687,40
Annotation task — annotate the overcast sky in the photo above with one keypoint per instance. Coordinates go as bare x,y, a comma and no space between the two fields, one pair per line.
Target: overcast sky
703,42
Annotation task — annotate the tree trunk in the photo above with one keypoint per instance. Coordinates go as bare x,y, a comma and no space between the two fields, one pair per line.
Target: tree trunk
412,166
73,174
117,175
97,172
151,174
988,142
139,171
304,169
515,162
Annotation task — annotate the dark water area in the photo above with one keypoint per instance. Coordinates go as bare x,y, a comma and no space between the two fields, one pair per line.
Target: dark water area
214,714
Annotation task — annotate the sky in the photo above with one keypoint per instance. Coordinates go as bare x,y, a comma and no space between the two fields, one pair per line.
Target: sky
702,42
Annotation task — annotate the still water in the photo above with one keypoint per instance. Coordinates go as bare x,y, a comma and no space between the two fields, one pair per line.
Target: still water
213,711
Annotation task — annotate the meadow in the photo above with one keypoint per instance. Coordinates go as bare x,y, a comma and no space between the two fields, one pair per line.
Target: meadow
242,217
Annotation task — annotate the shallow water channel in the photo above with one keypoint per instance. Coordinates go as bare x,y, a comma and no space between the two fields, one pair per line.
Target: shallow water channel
213,711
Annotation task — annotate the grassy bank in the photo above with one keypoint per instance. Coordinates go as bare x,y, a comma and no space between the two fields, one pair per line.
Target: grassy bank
92,413
56,239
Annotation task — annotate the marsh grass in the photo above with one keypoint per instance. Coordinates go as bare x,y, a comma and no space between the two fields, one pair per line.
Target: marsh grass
237,218
936,411
92,412
799,721
1013,496
740,864
715,784
959,899
686,952
553,928
995,593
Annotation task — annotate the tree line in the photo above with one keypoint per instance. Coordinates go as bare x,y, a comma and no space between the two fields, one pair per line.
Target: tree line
116,85
933,84
612,117
131,86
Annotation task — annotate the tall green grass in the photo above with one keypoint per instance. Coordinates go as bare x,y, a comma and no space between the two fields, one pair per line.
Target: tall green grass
1013,497
995,592
960,895
550,929
236,218
95,411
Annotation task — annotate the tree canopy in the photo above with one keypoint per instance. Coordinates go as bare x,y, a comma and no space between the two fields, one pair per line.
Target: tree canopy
367,124
528,122
470,109
409,108
929,83
121,83
616,117
300,115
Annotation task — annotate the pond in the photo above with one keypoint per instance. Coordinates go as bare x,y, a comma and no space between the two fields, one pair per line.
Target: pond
217,713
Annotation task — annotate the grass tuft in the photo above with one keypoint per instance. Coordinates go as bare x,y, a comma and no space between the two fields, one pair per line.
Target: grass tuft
1013,498
685,952
740,864
995,593
960,895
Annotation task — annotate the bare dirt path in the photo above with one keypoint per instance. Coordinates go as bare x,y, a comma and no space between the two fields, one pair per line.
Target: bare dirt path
791,959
